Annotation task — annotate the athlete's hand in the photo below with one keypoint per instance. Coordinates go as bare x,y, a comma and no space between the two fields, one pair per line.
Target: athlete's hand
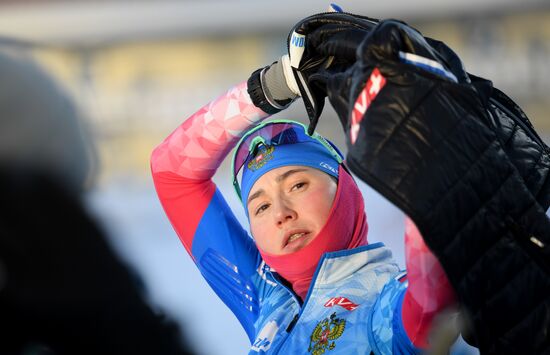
322,45
332,38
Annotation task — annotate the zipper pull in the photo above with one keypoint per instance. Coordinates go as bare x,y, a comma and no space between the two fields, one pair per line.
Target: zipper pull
292,324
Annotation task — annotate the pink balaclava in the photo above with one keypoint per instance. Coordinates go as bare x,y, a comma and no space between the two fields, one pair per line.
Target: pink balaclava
346,228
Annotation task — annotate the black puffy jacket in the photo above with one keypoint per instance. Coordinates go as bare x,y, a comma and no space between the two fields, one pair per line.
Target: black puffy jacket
464,162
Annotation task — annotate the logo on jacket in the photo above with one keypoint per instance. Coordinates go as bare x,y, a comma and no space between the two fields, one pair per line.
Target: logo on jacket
375,83
264,155
342,302
265,337
325,333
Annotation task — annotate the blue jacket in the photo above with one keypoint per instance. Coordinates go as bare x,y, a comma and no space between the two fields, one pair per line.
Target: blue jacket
353,307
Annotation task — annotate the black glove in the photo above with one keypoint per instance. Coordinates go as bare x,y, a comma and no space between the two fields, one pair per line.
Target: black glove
322,45
274,87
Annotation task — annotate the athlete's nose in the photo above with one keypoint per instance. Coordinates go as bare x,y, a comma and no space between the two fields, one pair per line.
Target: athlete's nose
283,212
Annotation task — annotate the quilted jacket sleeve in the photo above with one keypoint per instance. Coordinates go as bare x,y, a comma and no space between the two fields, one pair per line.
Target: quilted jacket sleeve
469,170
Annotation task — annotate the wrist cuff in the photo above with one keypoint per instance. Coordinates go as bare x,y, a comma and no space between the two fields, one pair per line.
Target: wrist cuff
259,98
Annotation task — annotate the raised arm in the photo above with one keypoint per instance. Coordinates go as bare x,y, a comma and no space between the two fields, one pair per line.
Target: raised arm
184,163
183,166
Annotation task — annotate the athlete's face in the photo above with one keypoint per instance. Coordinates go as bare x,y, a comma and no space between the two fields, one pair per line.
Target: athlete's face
288,207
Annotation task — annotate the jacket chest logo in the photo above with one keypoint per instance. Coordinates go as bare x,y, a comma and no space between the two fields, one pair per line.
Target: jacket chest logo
342,302
325,333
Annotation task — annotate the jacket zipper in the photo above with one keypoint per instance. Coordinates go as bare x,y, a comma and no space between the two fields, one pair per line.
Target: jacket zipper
296,299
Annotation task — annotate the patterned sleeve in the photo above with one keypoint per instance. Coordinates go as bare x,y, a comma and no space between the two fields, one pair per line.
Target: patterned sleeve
182,167
386,332
429,290
407,306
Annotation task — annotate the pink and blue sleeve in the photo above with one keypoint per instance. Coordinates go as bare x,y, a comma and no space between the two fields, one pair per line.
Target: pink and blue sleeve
182,167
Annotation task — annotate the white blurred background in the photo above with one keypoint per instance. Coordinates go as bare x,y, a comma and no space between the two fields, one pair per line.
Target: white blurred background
137,69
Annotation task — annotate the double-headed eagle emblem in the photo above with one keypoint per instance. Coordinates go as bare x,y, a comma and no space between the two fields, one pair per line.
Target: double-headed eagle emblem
263,155
324,334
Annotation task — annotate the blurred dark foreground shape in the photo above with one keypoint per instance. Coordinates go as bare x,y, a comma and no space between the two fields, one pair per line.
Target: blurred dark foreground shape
62,288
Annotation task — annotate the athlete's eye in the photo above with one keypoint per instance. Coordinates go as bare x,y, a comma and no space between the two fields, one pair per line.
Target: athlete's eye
262,208
298,186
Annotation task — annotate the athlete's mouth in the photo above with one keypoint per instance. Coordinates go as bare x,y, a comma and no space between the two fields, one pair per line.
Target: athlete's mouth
295,235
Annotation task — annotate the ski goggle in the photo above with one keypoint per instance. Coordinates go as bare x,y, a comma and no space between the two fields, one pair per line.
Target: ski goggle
256,146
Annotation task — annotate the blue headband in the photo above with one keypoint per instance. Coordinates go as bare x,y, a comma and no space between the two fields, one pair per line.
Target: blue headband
311,154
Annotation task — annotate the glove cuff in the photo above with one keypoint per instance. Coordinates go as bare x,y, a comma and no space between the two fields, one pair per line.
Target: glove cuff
289,75
261,95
